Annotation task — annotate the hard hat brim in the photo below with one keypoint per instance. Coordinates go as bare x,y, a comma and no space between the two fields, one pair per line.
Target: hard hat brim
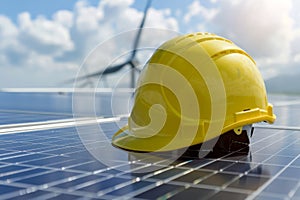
122,139
158,143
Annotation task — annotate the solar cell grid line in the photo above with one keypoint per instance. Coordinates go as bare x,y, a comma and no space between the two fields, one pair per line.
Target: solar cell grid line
39,112
165,175
14,177
217,189
121,184
5,142
4,147
47,193
281,187
8,190
203,191
38,171
268,183
129,191
53,141
36,194
73,168
165,180
289,151
143,170
24,158
36,147
81,182
89,167
59,150
296,193
6,170
47,151
48,179
240,168
150,191
95,186
169,168
49,160
11,118
274,155
214,179
162,191
265,139
197,166
18,118
268,157
68,164
266,153
193,176
20,144
106,186
178,163
12,154
18,156
27,118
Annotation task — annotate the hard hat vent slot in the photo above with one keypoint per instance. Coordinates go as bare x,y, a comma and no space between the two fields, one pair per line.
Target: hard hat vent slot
230,51
204,33
213,38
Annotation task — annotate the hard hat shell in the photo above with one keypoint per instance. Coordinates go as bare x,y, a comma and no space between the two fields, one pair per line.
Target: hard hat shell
194,88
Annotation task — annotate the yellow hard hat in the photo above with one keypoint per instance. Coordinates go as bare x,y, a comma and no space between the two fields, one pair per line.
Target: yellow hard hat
194,88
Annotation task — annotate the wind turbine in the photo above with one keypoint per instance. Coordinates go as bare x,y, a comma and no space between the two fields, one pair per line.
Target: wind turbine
131,61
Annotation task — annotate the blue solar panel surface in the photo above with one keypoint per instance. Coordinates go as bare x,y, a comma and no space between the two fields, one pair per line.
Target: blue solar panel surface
53,163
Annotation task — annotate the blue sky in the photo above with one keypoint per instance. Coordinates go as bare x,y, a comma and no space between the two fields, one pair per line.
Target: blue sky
45,42
12,8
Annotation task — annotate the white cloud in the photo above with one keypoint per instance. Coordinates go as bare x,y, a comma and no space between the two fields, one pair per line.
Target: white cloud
269,30
7,28
296,42
263,27
64,17
45,35
8,33
58,44
197,10
161,19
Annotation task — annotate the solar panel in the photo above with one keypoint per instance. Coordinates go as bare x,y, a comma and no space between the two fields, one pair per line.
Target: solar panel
55,163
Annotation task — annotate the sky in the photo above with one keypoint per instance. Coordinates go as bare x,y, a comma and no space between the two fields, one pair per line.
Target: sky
44,43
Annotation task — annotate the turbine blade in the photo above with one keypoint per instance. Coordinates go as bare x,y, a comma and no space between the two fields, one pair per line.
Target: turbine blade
108,70
139,33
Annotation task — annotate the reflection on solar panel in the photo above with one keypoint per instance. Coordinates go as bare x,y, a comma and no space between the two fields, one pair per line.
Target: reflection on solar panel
53,163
